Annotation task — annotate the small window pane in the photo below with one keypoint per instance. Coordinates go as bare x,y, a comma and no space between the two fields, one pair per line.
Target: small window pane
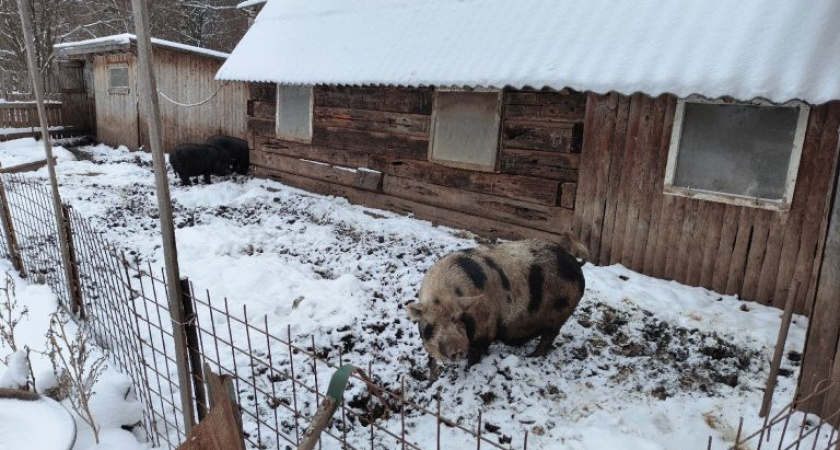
466,129
294,112
118,77
736,149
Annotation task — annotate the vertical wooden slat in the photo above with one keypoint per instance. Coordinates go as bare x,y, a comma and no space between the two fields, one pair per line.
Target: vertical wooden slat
713,224
595,161
652,245
614,178
755,256
821,347
650,185
766,292
798,213
631,162
634,228
813,229
694,252
738,261
661,250
727,244
685,239
674,231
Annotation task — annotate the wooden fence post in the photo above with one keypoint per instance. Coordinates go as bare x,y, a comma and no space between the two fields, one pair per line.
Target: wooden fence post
37,86
9,231
193,350
74,287
149,96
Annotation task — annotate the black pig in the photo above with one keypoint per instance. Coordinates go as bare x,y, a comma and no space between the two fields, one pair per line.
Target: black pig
192,160
236,148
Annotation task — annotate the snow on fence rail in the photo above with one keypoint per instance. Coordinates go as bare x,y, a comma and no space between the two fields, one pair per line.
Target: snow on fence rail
279,380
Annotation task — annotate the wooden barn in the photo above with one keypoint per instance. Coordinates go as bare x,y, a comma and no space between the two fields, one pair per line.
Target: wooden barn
193,105
667,139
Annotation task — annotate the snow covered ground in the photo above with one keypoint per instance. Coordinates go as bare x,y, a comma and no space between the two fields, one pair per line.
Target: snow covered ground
22,151
112,403
644,364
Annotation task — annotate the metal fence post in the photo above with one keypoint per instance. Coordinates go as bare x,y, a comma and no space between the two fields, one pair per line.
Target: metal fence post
193,350
74,285
9,231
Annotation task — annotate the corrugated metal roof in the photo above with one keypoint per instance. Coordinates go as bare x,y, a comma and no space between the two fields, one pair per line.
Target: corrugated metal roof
774,49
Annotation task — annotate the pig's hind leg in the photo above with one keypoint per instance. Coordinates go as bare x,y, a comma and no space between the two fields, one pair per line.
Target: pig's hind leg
546,341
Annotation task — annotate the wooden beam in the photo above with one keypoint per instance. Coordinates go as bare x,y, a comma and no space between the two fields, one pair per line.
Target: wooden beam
149,94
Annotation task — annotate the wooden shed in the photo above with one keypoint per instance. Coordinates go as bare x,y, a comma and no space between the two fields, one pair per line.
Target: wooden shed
697,152
193,105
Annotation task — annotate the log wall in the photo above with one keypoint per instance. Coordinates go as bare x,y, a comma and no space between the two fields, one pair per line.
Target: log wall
593,164
387,130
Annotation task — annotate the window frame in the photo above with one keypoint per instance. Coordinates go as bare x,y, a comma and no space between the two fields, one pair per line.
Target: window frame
735,199
498,124
119,89
311,112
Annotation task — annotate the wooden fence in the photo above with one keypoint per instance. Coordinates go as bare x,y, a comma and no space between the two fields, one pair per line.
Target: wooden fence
20,119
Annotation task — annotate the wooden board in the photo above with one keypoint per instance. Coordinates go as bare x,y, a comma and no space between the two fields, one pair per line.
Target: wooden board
529,189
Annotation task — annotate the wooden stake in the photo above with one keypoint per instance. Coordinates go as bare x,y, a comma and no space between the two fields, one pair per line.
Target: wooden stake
148,92
9,231
38,88
780,350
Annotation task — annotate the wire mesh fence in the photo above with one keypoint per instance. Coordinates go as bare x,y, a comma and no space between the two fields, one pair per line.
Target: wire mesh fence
279,379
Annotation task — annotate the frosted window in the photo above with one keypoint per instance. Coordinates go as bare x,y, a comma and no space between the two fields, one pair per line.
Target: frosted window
742,150
118,78
466,129
294,112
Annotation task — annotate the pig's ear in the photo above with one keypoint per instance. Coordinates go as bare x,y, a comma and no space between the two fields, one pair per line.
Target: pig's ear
468,302
415,311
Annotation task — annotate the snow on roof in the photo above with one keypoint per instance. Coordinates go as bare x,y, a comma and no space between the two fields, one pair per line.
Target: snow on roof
123,41
773,49
249,3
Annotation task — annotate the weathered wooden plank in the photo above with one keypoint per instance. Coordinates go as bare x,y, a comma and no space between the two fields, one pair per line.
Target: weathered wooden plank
696,244
262,110
524,97
729,230
662,247
829,141
636,227
372,142
684,239
674,229
568,192
528,189
480,225
262,92
329,155
798,213
526,135
551,219
401,100
633,159
551,165
361,179
821,347
572,108
597,142
766,288
658,176
712,227
261,127
613,179
366,120
756,254
738,261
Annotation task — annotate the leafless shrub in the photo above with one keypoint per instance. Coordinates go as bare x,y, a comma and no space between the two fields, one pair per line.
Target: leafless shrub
10,314
75,366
